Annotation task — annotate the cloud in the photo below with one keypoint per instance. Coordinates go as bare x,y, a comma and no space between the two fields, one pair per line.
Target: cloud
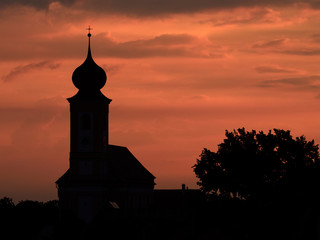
37,112
27,68
272,43
169,45
302,52
34,3
151,8
156,7
247,16
273,69
166,45
75,46
316,37
300,83
292,46
166,39
38,4
111,69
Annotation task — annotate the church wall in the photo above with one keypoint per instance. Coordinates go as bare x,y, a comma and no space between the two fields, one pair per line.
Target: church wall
82,202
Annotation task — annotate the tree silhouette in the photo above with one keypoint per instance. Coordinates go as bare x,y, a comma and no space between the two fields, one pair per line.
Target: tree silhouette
6,203
259,166
28,219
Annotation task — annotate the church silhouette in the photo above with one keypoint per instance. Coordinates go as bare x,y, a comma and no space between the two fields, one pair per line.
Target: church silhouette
99,174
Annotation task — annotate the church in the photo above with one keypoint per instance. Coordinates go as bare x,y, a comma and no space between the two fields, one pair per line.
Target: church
99,174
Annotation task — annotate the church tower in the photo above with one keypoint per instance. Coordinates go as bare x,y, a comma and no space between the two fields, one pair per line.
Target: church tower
89,121
99,173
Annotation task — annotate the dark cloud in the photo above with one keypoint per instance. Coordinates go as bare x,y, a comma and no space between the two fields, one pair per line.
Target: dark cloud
315,37
27,68
285,46
32,3
302,52
301,83
272,43
162,7
273,69
39,4
150,8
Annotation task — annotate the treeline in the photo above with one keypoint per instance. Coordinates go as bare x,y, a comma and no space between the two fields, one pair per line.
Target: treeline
28,219
291,218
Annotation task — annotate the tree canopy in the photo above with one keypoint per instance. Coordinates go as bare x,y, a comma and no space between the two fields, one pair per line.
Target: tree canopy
256,165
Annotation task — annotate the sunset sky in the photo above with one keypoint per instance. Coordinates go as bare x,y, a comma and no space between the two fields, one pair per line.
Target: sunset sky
180,72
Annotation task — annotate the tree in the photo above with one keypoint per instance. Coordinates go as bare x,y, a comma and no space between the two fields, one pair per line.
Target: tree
253,165
6,203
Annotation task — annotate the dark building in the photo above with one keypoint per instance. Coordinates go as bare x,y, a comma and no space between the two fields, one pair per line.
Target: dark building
99,173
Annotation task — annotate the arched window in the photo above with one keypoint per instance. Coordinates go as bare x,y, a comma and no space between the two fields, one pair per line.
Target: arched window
85,121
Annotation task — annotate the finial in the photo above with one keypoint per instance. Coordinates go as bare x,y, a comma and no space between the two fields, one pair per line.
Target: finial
89,28
89,35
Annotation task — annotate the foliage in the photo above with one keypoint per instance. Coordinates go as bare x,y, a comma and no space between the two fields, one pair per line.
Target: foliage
6,203
27,219
254,165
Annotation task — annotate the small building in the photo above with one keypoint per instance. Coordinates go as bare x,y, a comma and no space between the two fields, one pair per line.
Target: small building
99,173
183,199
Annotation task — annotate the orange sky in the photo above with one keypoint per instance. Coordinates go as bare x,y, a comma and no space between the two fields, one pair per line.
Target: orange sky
179,73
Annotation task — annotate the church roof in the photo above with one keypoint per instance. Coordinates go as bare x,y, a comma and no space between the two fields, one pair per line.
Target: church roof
89,77
122,169
126,164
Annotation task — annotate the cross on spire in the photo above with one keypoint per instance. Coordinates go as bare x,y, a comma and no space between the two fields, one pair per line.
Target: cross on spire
89,28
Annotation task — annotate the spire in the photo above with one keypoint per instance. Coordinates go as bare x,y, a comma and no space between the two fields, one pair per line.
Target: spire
89,47
89,77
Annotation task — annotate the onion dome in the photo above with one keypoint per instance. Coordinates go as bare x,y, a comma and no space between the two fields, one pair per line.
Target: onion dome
89,77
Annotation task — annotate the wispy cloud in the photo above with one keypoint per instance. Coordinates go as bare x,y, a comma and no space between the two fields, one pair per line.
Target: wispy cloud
302,51
274,69
272,43
289,46
112,69
165,40
247,16
165,45
316,37
301,83
22,69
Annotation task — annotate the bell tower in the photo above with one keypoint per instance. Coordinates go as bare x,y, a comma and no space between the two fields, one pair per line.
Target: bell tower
89,117
99,173
89,108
